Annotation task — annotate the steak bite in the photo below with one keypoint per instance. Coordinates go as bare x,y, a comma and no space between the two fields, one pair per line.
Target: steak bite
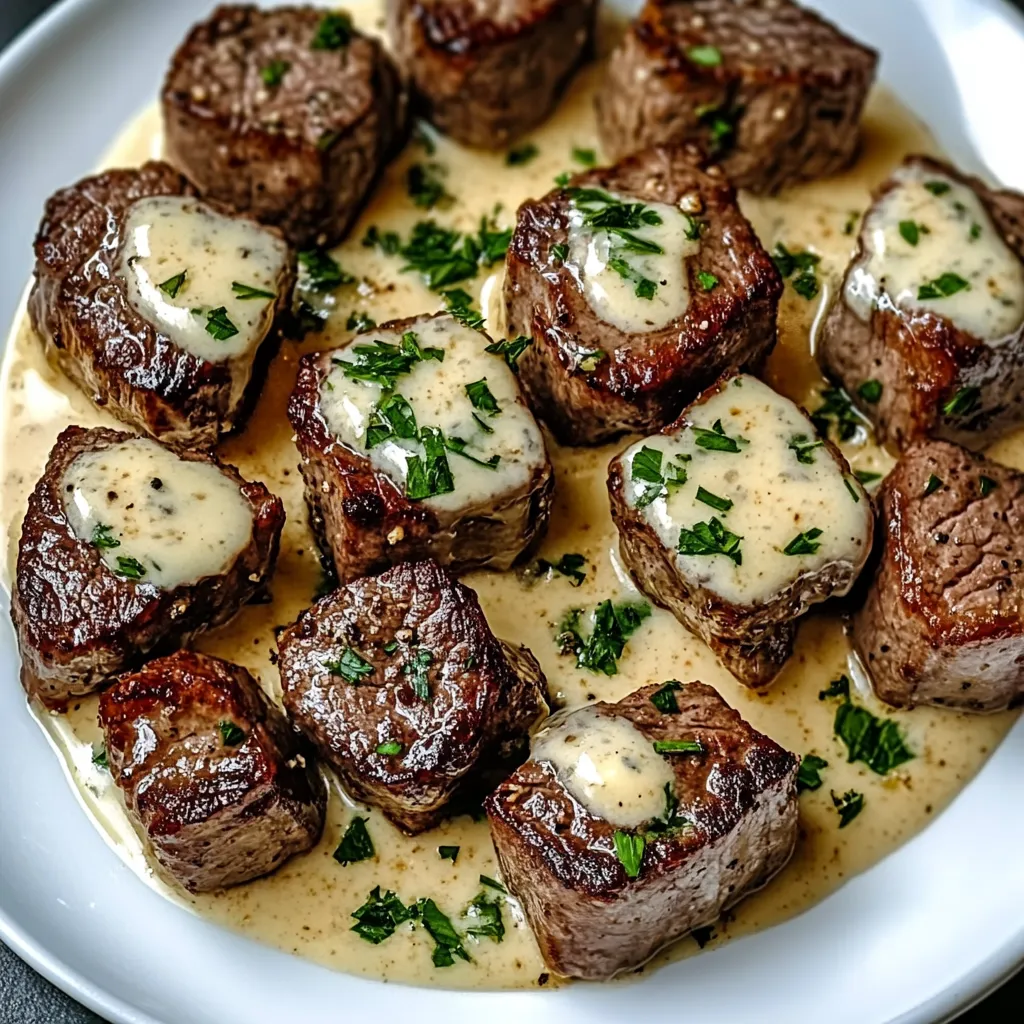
487,71
218,782
639,284
401,685
944,619
416,443
286,114
772,90
927,333
634,823
161,308
130,549
738,519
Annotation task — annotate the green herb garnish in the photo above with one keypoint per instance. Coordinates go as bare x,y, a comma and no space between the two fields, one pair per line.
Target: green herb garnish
717,503
103,539
707,281
391,417
870,391
665,698
716,439
710,538
587,157
356,844
219,325
943,286
987,485
351,666
809,774
614,624
705,56
460,304
231,735
380,915
484,918
805,543
382,362
430,474
678,747
333,32
173,285
425,187
99,757
877,742
360,322
933,484
511,349
629,848
804,447
389,748
247,291
448,945
569,565
417,669
849,805
274,72
481,398
963,403
448,853
130,568
521,155
320,272
938,188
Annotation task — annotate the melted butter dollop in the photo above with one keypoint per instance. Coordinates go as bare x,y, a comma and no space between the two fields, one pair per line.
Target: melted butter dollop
154,517
435,390
779,483
612,272
927,226
607,764
228,263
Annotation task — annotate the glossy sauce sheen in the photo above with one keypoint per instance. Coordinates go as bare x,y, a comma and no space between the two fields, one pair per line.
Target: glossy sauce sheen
305,907
435,390
223,259
775,496
930,225
176,520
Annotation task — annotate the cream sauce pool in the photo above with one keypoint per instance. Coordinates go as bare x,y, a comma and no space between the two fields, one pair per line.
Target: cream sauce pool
305,907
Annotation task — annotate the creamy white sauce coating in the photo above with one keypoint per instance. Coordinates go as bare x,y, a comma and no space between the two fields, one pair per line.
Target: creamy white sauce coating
436,392
774,496
154,517
612,273
607,764
228,263
927,228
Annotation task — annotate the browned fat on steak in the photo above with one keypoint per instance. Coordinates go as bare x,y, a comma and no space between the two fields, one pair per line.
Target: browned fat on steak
928,336
401,685
772,90
109,341
81,614
738,520
724,821
287,114
592,380
487,71
944,619
220,785
481,509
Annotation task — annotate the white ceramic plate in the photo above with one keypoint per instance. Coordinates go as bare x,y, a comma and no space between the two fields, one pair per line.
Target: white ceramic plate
922,935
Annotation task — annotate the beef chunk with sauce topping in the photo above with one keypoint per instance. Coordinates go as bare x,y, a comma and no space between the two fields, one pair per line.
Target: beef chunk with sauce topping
486,72
927,333
415,443
287,114
738,519
128,550
773,91
639,285
634,823
218,782
161,308
402,686
944,619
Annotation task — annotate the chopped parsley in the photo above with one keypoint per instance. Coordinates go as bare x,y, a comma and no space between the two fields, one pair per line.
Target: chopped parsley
391,417
231,735
803,447
388,242
563,179
492,883
837,688
459,446
219,325
987,485
849,805
721,124
963,403
521,155
943,286
103,539
483,917
870,391
333,32
308,319
351,666
707,281
99,757
704,56
805,543
588,360
448,945
448,853
808,775
644,287
717,503
975,232
629,848
800,266
130,568
836,408
646,468
569,565
613,625
430,474
327,139
710,538
389,748
716,439
274,72
933,484
425,187
606,213
911,231
511,349
380,915
665,698
383,362
938,188
460,304
678,747
320,272
247,291
417,669
356,844
444,257
586,157
480,395
360,322
173,285
558,252
877,742
867,476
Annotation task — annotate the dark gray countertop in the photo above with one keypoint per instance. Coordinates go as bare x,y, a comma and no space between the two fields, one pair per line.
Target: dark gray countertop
27,998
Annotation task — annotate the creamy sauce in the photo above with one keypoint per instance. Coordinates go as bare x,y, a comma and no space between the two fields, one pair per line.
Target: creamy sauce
305,907
502,443
607,764
749,461
207,281
154,517
928,227
638,281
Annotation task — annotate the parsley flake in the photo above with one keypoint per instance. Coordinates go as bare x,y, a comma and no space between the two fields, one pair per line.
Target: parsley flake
219,325
389,748
805,543
849,805
943,286
380,915
351,666
481,398
448,945
521,155
356,844
710,538
173,285
417,669
716,439
460,304
320,272
803,448
231,735
425,187
870,391
130,568
963,403
678,747
511,349
629,848
247,291
704,56
808,776
448,853
707,281
274,72
360,322
717,503
430,474
103,539
333,32
665,698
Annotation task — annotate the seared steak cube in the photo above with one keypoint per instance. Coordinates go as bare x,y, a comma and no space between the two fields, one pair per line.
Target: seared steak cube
489,71
161,308
399,682
773,91
738,519
927,333
213,775
415,443
129,549
944,619
287,114
634,823
640,285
